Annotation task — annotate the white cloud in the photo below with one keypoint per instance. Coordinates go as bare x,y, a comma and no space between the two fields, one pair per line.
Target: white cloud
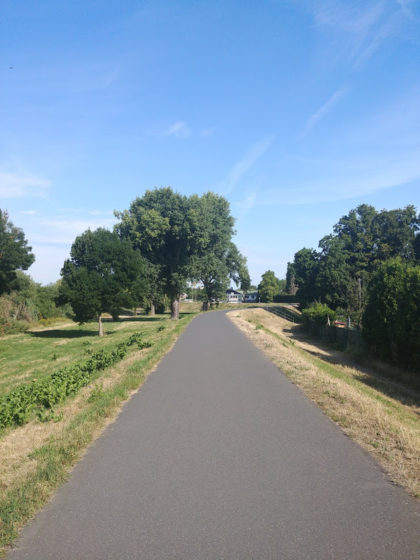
29,212
17,185
243,165
178,129
324,110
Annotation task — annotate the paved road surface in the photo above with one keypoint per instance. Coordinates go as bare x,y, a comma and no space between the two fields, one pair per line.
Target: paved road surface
219,456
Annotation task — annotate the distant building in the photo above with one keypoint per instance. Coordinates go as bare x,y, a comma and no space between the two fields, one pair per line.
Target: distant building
233,296
251,297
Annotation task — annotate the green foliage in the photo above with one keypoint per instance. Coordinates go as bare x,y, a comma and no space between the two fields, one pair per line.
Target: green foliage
184,238
317,314
28,302
269,287
19,406
14,252
103,274
391,321
161,225
339,273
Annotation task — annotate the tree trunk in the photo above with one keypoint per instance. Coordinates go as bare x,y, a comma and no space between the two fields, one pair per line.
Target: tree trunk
205,305
152,309
175,308
101,328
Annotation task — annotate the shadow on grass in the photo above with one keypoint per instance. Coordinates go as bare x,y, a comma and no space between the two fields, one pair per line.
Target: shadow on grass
62,333
139,319
394,389
401,385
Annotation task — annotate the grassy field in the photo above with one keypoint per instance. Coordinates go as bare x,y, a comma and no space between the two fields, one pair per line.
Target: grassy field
378,413
36,353
35,458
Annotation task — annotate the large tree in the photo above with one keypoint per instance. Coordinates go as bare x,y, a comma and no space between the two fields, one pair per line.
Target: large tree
391,321
184,238
103,274
269,287
14,252
217,259
161,225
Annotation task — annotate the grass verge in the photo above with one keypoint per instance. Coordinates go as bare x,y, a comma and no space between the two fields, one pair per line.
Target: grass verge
381,416
36,458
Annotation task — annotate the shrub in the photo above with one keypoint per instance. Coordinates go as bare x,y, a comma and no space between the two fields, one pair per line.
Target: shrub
317,314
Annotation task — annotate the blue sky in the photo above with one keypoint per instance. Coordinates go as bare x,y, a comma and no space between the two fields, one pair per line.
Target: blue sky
295,111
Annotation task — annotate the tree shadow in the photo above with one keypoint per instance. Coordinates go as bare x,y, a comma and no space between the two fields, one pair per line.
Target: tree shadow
397,391
134,319
404,391
62,333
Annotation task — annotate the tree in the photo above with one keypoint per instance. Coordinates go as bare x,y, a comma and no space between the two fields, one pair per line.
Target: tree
305,268
14,252
291,287
217,259
238,269
269,287
184,239
391,321
339,273
161,226
103,274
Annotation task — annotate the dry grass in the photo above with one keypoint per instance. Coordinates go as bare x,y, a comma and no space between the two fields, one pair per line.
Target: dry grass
380,415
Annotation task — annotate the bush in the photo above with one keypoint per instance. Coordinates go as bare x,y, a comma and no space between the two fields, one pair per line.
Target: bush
317,314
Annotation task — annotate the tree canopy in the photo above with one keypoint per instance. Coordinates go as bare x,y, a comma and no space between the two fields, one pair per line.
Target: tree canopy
391,320
338,273
184,238
15,254
103,274
269,287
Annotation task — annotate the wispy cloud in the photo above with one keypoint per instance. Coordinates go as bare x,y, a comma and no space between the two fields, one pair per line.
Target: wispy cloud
409,8
323,110
178,129
244,164
361,27
17,185
354,180
29,212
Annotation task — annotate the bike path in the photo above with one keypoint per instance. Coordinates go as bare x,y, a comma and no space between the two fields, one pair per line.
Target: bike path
220,457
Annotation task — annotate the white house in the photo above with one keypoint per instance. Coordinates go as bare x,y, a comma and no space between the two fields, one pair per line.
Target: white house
233,296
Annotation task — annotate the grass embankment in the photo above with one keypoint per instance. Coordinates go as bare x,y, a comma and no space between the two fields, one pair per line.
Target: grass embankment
380,415
35,458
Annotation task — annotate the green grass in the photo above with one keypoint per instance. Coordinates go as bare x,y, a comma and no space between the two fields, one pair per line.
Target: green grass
19,502
32,355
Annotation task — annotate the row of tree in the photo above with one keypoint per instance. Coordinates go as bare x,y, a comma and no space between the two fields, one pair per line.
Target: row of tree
162,241
368,269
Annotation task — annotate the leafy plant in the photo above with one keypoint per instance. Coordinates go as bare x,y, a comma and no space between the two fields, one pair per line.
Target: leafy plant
19,406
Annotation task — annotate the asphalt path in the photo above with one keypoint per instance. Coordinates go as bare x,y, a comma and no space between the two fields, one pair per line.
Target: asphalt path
219,456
